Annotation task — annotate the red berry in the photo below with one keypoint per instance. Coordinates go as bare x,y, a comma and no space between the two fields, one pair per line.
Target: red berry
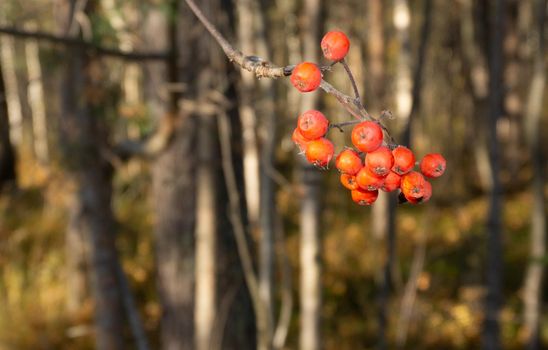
348,162
306,77
367,136
335,45
312,124
349,181
425,197
433,165
299,139
391,182
380,161
404,160
362,197
319,152
369,181
412,185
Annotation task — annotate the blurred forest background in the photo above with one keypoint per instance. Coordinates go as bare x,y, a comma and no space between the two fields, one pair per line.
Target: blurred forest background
152,198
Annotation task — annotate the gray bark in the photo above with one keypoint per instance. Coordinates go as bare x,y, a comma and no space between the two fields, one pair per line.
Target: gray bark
493,300
310,281
532,289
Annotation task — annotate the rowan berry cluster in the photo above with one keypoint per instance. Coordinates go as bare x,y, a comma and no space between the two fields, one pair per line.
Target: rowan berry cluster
372,164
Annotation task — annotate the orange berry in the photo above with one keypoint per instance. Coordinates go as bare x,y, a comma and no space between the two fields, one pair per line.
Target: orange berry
312,124
306,77
391,182
349,181
425,197
367,136
412,185
404,160
380,161
362,197
335,45
369,181
348,162
299,139
319,152
433,165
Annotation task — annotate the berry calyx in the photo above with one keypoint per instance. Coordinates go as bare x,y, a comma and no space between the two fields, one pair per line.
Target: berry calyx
335,45
306,77
412,185
362,197
404,160
369,181
319,152
299,139
391,182
348,162
380,161
349,181
367,136
433,165
312,124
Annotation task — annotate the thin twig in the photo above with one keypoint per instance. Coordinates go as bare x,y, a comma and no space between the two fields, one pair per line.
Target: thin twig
89,46
340,126
352,80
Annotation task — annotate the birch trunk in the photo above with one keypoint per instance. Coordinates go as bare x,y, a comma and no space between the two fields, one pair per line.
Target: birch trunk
11,86
310,281
36,101
532,289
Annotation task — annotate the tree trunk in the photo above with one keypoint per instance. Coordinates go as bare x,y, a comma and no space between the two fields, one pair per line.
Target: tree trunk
36,101
493,300
7,155
532,289
174,182
11,89
310,281
82,138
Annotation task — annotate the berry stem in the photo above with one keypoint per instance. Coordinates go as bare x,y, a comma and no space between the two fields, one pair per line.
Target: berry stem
352,80
343,124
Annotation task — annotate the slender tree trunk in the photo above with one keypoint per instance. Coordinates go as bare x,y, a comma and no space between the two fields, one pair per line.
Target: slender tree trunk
493,300
11,89
174,182
7,155
247,17
532,293
82,137
310,281
36,101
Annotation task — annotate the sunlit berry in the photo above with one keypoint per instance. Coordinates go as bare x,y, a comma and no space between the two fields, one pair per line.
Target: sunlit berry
427,193
363,197
299,139
369,181
391,182
348,162
349,181
412,185
319,152
312,124
335,45
367,136
404,160
306,77
433,165
380,161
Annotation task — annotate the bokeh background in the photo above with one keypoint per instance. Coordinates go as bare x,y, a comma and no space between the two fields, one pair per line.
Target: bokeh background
151,196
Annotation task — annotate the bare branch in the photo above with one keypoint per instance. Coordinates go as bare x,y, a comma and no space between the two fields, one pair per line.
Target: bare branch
88,46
